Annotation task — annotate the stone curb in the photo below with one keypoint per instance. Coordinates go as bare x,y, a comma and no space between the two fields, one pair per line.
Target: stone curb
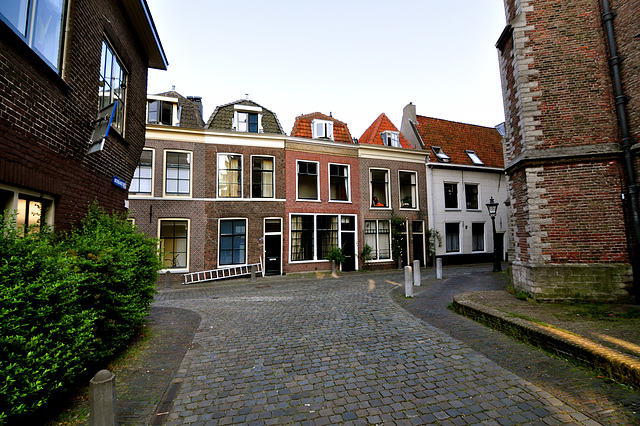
616,365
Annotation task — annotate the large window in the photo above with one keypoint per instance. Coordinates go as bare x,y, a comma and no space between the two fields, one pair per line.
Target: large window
307,180
113,83
178,173
408,197
142,182
174,237
262,177
322,129
233,239
377,235
31,209
229,175
379,188
247,122
339,182
302,243
477,236
450,195
452,237
327,234
160,112
40,23
471,196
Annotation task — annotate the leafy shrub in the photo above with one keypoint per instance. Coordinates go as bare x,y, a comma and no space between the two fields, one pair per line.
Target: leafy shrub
67,304
336,254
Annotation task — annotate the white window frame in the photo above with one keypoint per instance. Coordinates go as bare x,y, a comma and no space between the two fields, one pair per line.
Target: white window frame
322,129
440,155
459,238
273,177
153,177
166,99
188,253
444,195
17,193
246,239
484,237
377,233
315,234
317,163
391,138
348,182
164,174
387,188
474,158
241,175
246,109
415,190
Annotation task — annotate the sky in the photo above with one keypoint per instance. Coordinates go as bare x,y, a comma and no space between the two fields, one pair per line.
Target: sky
353,59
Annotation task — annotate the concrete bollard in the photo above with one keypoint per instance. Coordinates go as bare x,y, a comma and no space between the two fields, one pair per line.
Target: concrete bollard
104,401
167,279
408,282
439,268
253,273
334,269
416,273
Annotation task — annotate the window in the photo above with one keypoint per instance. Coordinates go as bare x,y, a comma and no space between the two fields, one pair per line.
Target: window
247,118
142,182
302,237
474,158
440,155
178,173
377,235
233,239
262,177
113,84
327,235
307,180
477,236
391,139
40,23
229,176
322,129
450,195
174,243
339,182
160,112
471,195
408,189
452,236
31,209
379,188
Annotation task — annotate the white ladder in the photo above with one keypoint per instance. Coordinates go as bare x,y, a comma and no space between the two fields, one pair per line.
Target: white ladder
221,273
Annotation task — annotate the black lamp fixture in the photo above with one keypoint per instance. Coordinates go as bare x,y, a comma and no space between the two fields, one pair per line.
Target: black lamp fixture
492,206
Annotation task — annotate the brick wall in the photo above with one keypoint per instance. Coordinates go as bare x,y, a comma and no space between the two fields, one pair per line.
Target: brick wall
45,119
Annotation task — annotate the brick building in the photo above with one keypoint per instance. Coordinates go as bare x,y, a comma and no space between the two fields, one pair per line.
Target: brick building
465,169
569,133
54,79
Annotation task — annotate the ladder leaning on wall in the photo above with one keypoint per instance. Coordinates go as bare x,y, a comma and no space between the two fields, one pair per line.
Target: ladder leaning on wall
222,273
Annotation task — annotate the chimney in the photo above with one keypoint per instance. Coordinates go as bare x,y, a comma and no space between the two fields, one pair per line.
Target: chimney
197,100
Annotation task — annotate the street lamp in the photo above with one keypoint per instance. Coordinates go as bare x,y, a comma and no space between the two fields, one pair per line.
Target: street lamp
492,206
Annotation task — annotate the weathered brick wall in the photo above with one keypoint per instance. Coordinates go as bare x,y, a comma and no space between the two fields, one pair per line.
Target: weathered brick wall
45,119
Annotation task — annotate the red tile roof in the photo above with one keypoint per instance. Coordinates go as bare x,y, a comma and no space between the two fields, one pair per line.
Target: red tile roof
382,124
456,138
302,127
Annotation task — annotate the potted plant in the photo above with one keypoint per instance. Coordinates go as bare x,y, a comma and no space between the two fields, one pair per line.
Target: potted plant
336,256
406,201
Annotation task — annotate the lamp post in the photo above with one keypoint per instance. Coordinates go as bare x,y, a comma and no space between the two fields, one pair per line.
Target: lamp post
492,206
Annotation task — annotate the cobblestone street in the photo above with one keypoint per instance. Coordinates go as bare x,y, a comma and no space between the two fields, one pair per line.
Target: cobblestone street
339,351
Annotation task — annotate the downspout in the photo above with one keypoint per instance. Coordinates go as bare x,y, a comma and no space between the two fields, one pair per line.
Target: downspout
621,102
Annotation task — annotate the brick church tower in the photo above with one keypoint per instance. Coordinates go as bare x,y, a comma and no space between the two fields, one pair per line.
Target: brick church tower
571,75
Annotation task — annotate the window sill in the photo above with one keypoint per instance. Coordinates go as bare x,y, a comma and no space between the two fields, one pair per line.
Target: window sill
174,271
340,201
303,200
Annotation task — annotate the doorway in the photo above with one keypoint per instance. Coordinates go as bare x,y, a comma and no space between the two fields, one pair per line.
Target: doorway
273,246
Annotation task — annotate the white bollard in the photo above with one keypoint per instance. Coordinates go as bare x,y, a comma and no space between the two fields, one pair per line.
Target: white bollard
439,268
408,282
416,273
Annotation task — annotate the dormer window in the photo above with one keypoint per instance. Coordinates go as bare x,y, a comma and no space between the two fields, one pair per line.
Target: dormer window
390,138
162,110
474,158
440,155
247,118
322,129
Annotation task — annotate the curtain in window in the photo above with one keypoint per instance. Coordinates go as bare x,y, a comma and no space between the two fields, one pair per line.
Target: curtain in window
229,176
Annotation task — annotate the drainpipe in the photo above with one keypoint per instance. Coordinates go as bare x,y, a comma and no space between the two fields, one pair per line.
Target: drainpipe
621,102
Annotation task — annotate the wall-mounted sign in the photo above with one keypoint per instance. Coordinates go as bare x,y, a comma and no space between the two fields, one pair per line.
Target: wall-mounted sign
121,183
101,126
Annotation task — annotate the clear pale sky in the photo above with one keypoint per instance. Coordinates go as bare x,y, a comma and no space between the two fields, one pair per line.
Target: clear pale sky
354,59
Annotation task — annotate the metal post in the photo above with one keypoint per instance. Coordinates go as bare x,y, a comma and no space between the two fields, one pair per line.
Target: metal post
496,263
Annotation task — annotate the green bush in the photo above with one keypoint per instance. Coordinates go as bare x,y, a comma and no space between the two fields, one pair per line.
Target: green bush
336,254
66,304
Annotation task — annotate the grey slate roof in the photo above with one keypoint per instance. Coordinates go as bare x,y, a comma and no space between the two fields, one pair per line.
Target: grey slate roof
222,118
190,111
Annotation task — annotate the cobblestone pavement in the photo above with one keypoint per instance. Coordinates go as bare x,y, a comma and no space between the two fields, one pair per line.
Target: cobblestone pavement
340,351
